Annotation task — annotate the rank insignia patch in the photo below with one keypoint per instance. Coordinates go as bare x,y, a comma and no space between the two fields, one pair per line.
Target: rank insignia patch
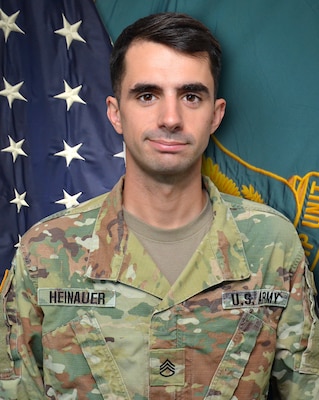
167,368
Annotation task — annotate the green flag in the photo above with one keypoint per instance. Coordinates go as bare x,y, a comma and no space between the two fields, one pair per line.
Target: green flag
267,147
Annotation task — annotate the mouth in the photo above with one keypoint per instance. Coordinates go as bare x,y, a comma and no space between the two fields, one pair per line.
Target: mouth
167,146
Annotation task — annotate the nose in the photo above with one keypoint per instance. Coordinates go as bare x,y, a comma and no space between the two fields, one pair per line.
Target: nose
170,115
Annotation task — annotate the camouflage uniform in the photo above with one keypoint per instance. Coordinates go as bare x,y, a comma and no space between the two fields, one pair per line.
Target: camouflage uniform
92,317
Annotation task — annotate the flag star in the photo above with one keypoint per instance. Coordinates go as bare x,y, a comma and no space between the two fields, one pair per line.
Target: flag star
70,153
8,25
15,148
70,31
19,200
68,200
17,245
70,95
122,154
12,92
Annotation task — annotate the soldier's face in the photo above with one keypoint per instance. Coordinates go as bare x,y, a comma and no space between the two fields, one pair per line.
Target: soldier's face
167,110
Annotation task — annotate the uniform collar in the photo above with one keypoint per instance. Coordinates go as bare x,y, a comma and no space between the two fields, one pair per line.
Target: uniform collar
119,256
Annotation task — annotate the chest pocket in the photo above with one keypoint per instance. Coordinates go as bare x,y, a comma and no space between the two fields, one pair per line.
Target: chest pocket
99,358
82,336
232,366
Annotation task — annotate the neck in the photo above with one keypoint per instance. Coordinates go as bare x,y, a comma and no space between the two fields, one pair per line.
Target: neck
164,203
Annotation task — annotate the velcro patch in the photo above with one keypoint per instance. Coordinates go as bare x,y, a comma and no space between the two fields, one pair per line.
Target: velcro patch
167,367
76,297
255,298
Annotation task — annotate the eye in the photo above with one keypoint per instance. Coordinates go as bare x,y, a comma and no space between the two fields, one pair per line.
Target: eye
192,98
146,97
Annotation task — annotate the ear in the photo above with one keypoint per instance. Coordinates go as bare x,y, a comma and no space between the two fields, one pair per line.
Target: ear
113,113
220,106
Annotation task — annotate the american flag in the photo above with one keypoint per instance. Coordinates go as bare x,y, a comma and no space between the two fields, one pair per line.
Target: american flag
57,148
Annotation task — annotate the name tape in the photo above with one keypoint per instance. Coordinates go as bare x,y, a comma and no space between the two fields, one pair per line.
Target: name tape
76,297
255,298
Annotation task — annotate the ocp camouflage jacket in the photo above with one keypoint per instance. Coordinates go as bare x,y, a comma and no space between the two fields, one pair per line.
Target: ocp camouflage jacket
92,317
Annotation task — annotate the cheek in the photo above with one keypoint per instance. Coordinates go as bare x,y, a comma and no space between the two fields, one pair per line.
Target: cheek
203,130
132,118
205,141
204,138
201,121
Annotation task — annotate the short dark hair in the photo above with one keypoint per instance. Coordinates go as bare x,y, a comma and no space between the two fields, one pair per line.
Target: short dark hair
177,31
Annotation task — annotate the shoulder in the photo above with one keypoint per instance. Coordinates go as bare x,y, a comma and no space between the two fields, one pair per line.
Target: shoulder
265,229
260,215
239,205
79,218
253,218
90,205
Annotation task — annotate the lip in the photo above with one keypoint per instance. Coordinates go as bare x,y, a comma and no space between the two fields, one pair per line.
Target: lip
166,146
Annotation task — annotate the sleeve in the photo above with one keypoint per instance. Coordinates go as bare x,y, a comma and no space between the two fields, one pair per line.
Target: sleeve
295,372
24,320
8,380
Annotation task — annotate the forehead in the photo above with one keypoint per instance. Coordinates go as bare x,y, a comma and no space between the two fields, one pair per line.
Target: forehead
150,61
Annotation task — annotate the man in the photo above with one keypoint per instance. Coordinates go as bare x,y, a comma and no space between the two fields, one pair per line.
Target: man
164,288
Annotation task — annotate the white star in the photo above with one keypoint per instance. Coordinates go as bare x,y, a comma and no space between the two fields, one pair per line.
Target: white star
68,200
70,31
15,149
8,25
70,153
122,154
70,95
19,242
19,200
12,92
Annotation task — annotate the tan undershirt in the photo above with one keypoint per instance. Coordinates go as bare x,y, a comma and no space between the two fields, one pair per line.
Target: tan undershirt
171,249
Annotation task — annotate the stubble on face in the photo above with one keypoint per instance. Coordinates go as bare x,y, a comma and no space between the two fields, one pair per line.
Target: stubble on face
165,148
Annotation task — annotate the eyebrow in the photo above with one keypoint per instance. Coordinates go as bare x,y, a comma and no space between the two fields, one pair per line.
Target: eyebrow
144,87
195,87
188,87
